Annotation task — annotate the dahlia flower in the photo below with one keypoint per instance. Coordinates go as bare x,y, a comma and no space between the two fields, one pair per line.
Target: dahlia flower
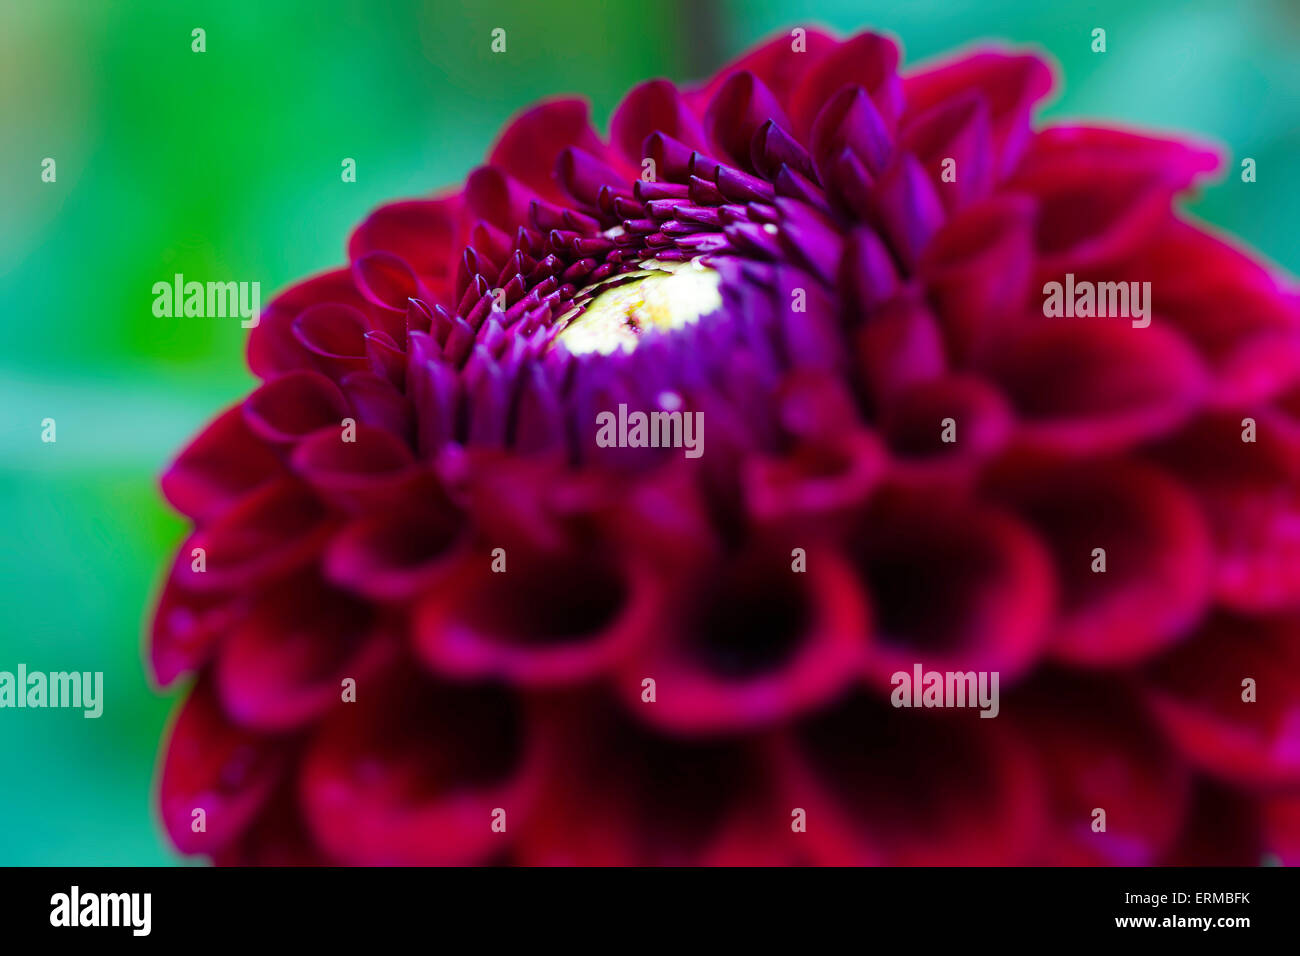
561,652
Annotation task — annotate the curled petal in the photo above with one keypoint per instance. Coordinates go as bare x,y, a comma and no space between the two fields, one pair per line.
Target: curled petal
1152,581
987,808
225,462
283,664
287,408
529,147
270,532
756,644
547,618
1085,386
217,768
955,586
655,106
385,783
1097,748
1011,84
1199,693
868,60
421,232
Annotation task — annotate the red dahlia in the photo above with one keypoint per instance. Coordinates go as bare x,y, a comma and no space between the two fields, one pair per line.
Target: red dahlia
563,652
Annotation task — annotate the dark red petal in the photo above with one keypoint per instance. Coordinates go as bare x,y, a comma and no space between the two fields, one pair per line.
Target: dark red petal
865,773
186,627
1091,217
956,130
412,772
223,463
358,474
273,346
1197,692
530,145
1011,84
1084,386
955,586
777,62
381,404
1158,553
656,106
899,346
283,664
334,336
285,409
1282,829
754,643
425,233
1222,829
269,533
496,197
620,796
1097,749
1250,494
978,271
395,556
912,425
213,766
868,60
1197,279
739,108
1180,162
553,617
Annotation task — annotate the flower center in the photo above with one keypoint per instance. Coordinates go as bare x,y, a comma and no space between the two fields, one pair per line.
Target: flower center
661,296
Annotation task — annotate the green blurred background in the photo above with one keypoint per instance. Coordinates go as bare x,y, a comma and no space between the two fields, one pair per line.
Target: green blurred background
225,165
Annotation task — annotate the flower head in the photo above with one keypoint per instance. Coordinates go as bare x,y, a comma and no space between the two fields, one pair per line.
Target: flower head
438,621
